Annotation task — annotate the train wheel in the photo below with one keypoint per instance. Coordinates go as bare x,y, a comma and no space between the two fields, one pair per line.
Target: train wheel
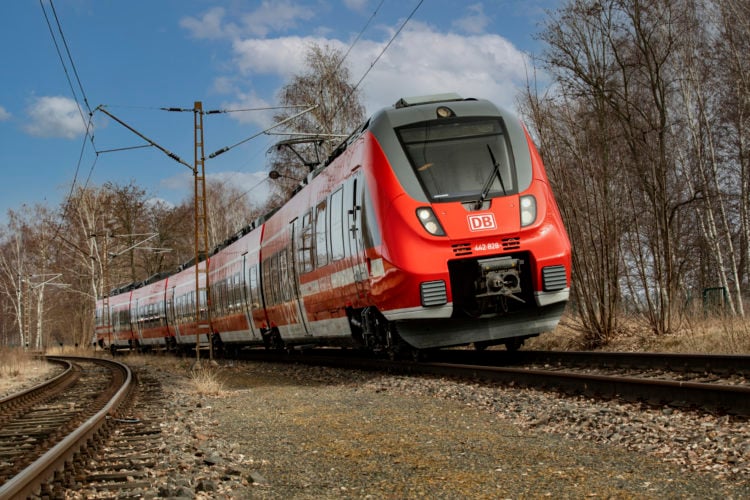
513,345
217,345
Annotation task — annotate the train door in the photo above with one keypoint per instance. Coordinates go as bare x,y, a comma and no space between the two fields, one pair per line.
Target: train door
250,294
171,316
136,317
355,234
292,262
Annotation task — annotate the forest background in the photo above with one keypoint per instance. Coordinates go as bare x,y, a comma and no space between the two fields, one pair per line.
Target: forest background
644,130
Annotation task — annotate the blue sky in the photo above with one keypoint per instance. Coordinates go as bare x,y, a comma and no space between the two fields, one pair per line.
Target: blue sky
137,56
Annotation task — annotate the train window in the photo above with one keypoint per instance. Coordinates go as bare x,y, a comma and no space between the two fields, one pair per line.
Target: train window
285,265
271,280
219,294
266,268
202,302
305,244
237,290
461,159
321,250
170,310
337,225
254,296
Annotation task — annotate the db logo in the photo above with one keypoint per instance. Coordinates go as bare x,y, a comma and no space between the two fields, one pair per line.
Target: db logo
482,222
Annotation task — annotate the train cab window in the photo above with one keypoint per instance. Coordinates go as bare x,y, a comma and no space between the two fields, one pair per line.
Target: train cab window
337,225
321,248
461,159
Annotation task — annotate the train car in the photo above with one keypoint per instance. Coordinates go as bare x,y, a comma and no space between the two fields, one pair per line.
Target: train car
236,303
182,327
116,331
148,313
433,225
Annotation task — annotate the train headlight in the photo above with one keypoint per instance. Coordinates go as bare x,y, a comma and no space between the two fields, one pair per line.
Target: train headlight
528,210
427,217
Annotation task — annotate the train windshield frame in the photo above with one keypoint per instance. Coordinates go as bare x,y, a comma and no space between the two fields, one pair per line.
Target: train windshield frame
461,159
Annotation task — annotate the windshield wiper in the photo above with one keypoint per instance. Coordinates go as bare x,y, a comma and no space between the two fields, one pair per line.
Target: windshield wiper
488,183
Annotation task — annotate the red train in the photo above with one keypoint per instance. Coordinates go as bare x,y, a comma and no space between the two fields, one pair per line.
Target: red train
432,225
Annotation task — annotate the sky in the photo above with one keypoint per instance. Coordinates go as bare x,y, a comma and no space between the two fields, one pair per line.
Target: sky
137,56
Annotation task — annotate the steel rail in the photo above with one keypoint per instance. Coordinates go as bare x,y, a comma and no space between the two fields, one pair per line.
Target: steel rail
30,480
14,400
733,399
695,363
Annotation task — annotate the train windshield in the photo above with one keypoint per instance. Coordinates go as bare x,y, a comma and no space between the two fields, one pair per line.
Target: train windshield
461,159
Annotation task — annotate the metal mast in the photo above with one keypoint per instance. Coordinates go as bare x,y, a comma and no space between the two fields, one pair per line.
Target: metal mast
203,318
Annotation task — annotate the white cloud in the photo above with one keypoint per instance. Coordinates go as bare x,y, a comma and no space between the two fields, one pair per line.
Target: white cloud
421,60
269,17
425,61
475,21
356,5
4,114
275,16
55,116
282,57
209,25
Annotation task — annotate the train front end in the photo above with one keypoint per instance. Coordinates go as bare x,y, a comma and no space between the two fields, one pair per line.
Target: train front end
473,248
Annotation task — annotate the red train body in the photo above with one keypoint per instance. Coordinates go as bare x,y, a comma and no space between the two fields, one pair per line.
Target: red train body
433,225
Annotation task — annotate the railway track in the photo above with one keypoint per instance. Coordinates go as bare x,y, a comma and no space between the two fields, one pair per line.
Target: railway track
703,382
49,427
123,464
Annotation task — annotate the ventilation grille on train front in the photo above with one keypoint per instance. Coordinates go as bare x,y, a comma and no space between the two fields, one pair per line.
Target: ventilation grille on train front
433,293
461,249
511,243
554,278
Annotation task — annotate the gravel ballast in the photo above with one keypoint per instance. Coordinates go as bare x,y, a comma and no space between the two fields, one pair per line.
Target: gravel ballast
285,431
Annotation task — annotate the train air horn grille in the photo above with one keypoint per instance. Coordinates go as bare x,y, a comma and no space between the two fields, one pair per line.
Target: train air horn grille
554,278
433,293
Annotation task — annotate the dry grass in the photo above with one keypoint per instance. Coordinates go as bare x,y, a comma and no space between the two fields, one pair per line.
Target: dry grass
19,368
710,335
204,378
206,381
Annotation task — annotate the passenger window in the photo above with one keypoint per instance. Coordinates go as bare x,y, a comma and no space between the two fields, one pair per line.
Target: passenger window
305,245
321,250
337,225
254,297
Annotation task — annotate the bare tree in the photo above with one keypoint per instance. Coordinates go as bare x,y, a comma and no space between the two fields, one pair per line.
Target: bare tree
616,58
314,136
731,57
578,143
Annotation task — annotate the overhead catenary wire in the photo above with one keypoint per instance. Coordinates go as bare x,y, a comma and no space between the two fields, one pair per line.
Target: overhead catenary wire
88,134
359,35
343,102
70,56
153,143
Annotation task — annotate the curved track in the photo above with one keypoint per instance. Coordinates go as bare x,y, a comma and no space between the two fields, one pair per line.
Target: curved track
44,428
